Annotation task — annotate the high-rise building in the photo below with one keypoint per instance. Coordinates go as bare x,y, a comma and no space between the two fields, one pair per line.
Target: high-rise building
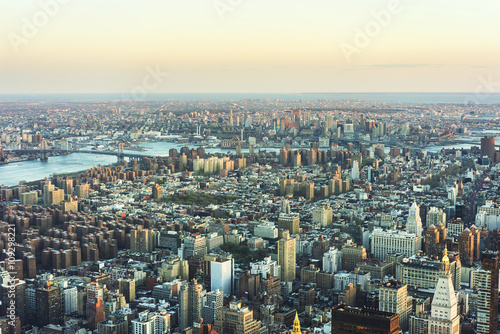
222,275
149,322
190,304
236,319
322,215
393,241
157,192
95,305
332,260
435,216
351,256
213,303
143,240
444,316
70,297
355,171
488,147
195,246
290,222
414,223
393,298
487,309
48,305
14,291
287,257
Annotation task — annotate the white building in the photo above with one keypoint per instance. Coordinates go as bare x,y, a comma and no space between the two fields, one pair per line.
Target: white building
488,216
414,223
444,314
70,296
332,260
266,268
151,323
266,230
340,280
322,215
214,240
355,170
393,297
222,276
393,241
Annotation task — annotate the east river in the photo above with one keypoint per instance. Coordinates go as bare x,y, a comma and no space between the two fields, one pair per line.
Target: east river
11,174
32,170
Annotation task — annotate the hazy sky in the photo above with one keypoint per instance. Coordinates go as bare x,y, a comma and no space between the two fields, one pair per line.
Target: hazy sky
110,46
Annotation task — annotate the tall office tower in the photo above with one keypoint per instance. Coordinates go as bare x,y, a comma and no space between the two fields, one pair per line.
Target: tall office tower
488,147
222,275
435,216
322,215
195,246
435,240
355,171
190,304
231,117
393,297
287,257
354,320
236,319
149,322
48,305
213,303
95,305
444,316
351,256
414,223
285,206
15,291
47,188
332,260
290,222
487,310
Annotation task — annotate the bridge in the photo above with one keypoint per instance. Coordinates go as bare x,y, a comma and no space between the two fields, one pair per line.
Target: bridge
44,153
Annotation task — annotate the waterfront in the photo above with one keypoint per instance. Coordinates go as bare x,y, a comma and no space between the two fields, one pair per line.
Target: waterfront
33,170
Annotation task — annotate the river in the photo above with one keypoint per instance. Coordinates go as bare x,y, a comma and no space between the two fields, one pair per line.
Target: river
28,171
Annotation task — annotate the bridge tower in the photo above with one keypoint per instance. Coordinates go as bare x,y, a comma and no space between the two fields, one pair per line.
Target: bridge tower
120,152
43,154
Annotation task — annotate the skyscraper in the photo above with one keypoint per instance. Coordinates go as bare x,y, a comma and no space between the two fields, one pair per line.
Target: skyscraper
394,299
48,305
444,317
222,275
95,305
190,304
414,223
213,303
287,257
487,310
488,147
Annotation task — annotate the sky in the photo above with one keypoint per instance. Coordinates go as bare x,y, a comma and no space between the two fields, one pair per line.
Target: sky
208,46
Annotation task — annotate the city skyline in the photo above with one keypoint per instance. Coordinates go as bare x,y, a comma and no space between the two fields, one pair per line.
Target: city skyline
221,46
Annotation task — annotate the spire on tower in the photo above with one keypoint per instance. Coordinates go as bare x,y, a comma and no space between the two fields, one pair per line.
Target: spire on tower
296,324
